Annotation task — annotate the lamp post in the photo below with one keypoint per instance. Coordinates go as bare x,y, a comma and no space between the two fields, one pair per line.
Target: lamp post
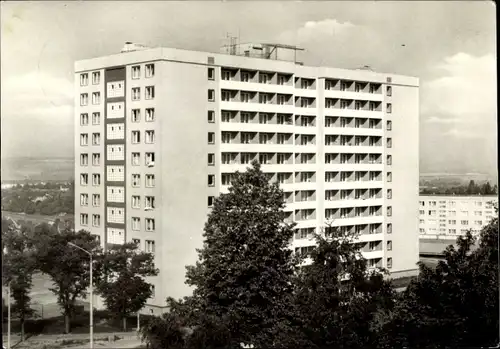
91,295
8,316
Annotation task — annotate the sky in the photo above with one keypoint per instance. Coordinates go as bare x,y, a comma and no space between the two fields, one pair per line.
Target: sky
449,45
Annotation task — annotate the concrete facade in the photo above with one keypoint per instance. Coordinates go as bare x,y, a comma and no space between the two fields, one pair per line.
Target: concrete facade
447,217
343,144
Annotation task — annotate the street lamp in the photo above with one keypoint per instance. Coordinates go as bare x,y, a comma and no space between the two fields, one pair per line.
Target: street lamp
91,295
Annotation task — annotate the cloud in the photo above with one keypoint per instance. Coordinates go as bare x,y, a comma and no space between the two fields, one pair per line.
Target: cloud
463,134
36,107
465,90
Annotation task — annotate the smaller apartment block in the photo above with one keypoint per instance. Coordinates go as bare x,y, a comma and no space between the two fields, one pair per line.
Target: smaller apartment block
447,217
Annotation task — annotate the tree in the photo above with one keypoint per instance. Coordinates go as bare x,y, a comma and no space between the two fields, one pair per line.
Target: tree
67,266
245,268
337,297
122,284
30,208
455,304
18,269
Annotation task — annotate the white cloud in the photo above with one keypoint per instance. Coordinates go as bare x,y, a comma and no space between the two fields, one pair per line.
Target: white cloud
36,107
35,89
461,133
467,91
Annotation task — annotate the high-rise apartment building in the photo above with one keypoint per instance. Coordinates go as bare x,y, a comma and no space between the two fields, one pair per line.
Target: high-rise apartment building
160,131
449,216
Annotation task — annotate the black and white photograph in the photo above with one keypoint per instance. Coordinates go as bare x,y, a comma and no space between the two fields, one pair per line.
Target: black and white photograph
249,174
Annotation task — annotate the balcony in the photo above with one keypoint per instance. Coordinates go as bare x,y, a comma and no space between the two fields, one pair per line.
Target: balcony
354,185
359,96
353,203
354,131
256,127
373,254
259,107
339,222
256,87
302,92
354,149
354,113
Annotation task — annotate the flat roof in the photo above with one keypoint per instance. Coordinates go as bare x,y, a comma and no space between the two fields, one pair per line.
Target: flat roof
236,61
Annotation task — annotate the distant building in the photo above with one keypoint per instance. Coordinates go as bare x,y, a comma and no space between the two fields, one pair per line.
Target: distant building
447,217
160,132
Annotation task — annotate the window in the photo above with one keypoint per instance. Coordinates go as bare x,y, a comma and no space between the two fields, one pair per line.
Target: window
211,74
84,99
211,159
389,193
150,224
389,262
150,92
96,179
84,79
136,159
84,179
150,203
478,222
84,219
136,201
389,160
245,97
84,139
389,245
211,180
211,116
389,211
96,220
389,125
226,96
96,138
136,137
136,180
96,159
389,142
96,78
150,181
452,222
136,93
150,70
84,159
211,137
150,114
211,95
244,118
136,223
389,176
136,115
84,199
245,76
150,159
150,136
84,119
150,246
389,228
136,72
96,200
464,222
96,118
96,98
263,78
389,91
389,108
210,201
226,75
